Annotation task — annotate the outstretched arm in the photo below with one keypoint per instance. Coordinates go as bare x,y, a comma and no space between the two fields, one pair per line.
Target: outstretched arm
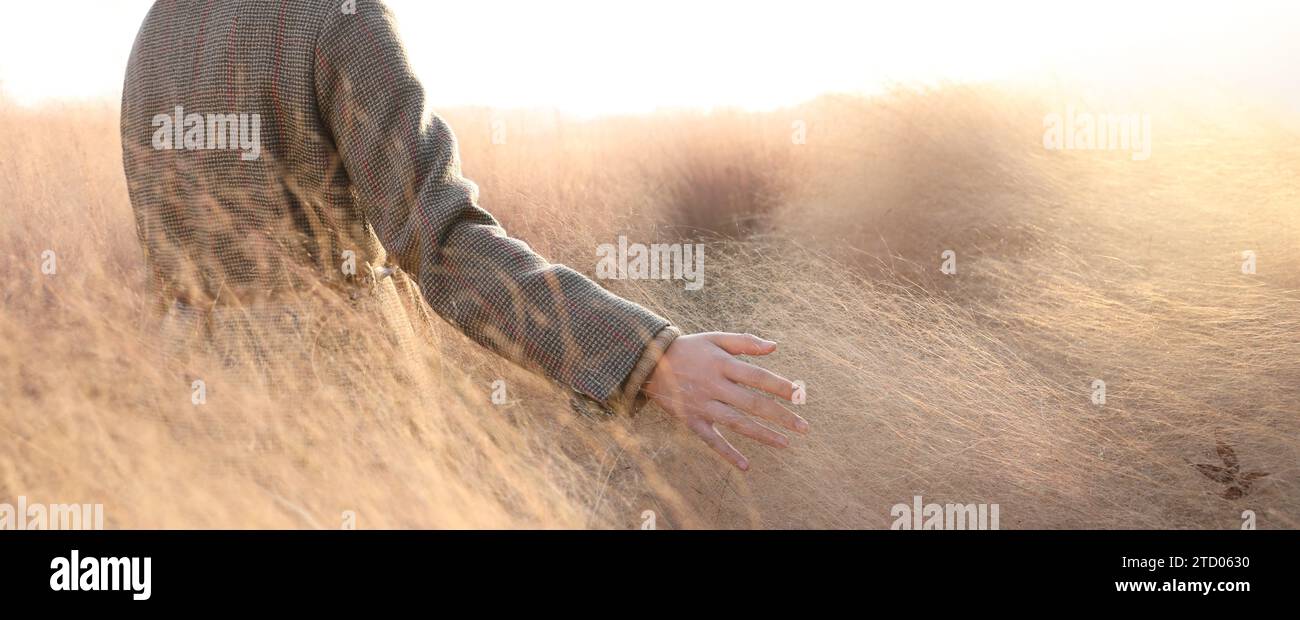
403,162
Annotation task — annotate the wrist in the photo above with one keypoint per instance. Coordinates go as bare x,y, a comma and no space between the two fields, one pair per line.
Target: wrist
631,398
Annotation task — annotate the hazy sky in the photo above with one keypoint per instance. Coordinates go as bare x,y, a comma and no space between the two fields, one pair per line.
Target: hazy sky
618,56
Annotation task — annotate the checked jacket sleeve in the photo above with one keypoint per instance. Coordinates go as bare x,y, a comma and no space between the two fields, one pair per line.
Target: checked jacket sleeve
404,168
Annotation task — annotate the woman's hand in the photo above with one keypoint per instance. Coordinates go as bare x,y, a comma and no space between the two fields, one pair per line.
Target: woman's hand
700,383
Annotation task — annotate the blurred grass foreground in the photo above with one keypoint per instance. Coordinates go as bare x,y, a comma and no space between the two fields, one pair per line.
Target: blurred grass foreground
1082,337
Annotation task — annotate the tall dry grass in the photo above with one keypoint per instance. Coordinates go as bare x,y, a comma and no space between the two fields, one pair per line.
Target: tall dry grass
1072,266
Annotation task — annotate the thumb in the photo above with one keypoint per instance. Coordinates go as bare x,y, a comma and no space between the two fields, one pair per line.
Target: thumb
742,344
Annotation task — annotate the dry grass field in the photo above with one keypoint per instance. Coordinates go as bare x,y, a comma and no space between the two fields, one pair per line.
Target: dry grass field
974,387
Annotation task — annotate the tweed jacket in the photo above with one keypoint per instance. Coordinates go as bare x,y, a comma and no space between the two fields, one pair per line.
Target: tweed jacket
260,137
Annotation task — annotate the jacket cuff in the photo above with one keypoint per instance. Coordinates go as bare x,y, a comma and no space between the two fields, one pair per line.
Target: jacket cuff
628,400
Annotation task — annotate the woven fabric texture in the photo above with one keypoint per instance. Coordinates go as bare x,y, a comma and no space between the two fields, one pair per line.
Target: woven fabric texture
266,142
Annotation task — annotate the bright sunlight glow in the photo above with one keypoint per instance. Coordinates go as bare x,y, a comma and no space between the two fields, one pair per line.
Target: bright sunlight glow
596,57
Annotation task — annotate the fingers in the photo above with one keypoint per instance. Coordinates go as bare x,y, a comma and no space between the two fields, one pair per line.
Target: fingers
711,436
742,344
761,406
761,378
745,425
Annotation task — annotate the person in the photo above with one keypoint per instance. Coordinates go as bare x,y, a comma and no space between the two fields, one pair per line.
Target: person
261,135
